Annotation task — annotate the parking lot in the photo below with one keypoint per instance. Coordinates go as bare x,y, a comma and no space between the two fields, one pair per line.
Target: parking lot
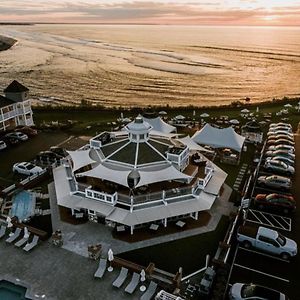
253,266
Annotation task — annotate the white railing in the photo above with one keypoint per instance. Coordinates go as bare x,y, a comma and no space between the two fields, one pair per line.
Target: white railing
101,196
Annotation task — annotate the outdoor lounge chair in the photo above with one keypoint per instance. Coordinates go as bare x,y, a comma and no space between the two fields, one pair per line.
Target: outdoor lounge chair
31,245
14,236
101,268
21,242
150,291
121,278
2,231
130,288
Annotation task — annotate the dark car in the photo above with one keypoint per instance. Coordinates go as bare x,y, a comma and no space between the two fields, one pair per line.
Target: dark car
281,203
59,151
280,141
9,140
48,156
27,130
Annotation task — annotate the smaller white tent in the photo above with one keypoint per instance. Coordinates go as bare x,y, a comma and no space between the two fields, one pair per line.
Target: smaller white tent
80,158
159,125
219,138
204,115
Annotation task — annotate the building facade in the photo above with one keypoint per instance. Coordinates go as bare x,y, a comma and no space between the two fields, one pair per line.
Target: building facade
137,177
15,107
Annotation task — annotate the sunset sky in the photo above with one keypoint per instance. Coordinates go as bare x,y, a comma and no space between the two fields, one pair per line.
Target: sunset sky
202,12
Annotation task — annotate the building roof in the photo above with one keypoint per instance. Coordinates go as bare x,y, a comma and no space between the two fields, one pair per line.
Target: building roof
219,138
193,146
5,101
80,158
16,87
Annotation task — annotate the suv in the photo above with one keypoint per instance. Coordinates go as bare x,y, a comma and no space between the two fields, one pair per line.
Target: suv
17,135
278,202
275,181
287,148
284,153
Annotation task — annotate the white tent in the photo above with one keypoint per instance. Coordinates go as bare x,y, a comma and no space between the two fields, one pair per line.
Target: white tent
219,138
169,173
180,117
234,122
204,115
159,125
80,158
245,111
192,145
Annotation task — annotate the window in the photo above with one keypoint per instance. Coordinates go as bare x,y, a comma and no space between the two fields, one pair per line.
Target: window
89,194
134,136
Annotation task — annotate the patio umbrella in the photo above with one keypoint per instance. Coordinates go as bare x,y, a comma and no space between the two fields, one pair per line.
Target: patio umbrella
143,278
257,109
110,255
234,122
26,233
204,115
194,113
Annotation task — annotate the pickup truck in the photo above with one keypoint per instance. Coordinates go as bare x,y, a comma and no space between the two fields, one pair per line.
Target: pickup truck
268,240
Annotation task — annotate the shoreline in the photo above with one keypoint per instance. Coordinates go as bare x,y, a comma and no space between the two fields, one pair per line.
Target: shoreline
6,42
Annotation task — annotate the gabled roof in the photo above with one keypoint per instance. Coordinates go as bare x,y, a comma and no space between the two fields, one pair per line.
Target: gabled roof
16,87
5,101
219,138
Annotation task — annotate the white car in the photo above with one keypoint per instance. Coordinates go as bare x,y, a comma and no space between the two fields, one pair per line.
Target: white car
279,166
280,124
26,168
284,159
2,145
243,291
288,148
17,135
280,132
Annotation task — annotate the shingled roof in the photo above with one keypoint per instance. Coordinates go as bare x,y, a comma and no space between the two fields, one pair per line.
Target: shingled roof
16,87
5,101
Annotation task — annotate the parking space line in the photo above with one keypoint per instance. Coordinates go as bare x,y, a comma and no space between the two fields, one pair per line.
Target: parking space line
264,254
253,214
266,218
260,272
280,224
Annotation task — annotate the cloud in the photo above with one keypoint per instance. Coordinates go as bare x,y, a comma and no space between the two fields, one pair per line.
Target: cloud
167,12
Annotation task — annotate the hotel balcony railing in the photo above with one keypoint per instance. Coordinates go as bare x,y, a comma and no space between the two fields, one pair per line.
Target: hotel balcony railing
14,113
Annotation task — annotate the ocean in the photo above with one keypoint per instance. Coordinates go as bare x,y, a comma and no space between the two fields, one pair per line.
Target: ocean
153,65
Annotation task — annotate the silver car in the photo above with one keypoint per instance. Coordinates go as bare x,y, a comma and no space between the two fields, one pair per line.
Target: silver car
279,166
275,181
243,291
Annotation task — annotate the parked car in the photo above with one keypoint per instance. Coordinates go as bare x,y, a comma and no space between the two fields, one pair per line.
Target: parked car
26,168
48,156
275,181
2,145
284,159
243,291
281,128
27,130
10,140
280,136
279,142
59,151
288,148
280,124
278,202
267,240
276,166
280,132
284,153
17,135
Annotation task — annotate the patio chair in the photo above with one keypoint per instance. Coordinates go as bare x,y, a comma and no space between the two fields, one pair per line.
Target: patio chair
130,288
31,245
121,278
21,242
150,291
101,268
2,231
14,236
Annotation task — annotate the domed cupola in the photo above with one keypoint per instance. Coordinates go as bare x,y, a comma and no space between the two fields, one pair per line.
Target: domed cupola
138,130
